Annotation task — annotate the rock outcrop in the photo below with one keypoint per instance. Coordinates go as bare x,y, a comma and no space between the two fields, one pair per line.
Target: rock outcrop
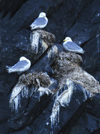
56,95
55,92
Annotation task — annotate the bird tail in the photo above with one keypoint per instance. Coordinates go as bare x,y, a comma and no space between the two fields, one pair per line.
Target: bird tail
8,69
32,27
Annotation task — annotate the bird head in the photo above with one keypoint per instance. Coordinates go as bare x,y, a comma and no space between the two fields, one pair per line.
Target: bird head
22,58
67,39
42,14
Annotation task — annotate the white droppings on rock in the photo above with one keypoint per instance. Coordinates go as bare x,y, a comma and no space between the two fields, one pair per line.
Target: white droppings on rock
54,118
35,42
25,92
65,98
18,92
54,50
62,100
16,103
47,123
42,91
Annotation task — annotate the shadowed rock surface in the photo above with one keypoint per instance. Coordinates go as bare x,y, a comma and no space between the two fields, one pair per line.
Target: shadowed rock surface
78,19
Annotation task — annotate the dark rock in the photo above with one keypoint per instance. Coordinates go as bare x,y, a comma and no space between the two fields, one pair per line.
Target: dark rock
44,64
86,124
76,18
61,115
20,45
66,105
6,6
29,97
94,104
66,66
92,60
69,98
27,130
17,46
80,20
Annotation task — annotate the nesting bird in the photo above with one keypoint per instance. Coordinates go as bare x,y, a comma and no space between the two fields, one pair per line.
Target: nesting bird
21,66
40,22
71,46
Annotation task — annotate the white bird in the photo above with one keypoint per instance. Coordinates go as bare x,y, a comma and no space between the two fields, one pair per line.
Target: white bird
40,22
21,66
71,46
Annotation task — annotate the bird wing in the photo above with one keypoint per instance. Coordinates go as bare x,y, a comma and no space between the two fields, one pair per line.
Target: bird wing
20,65
39,21
72,46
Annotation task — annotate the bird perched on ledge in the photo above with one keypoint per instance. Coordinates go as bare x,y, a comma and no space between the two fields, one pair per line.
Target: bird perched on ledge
71,46
40,22
21,66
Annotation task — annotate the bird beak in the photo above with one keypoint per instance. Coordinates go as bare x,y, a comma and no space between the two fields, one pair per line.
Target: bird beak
64,40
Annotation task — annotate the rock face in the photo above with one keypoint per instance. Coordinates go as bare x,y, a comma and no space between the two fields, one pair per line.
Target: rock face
80,21
68,66
43,91
31,92
44,104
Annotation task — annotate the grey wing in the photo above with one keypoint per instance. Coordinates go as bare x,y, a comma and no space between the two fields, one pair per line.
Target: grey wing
20,65
71,46
39,22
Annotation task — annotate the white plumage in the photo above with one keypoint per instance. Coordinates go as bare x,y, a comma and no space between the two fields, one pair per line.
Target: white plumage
71,46
21,66
40,22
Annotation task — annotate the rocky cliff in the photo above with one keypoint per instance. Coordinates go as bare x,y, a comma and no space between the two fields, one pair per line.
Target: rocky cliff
57,95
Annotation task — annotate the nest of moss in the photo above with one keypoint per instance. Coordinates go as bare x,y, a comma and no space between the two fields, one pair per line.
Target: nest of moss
35,78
